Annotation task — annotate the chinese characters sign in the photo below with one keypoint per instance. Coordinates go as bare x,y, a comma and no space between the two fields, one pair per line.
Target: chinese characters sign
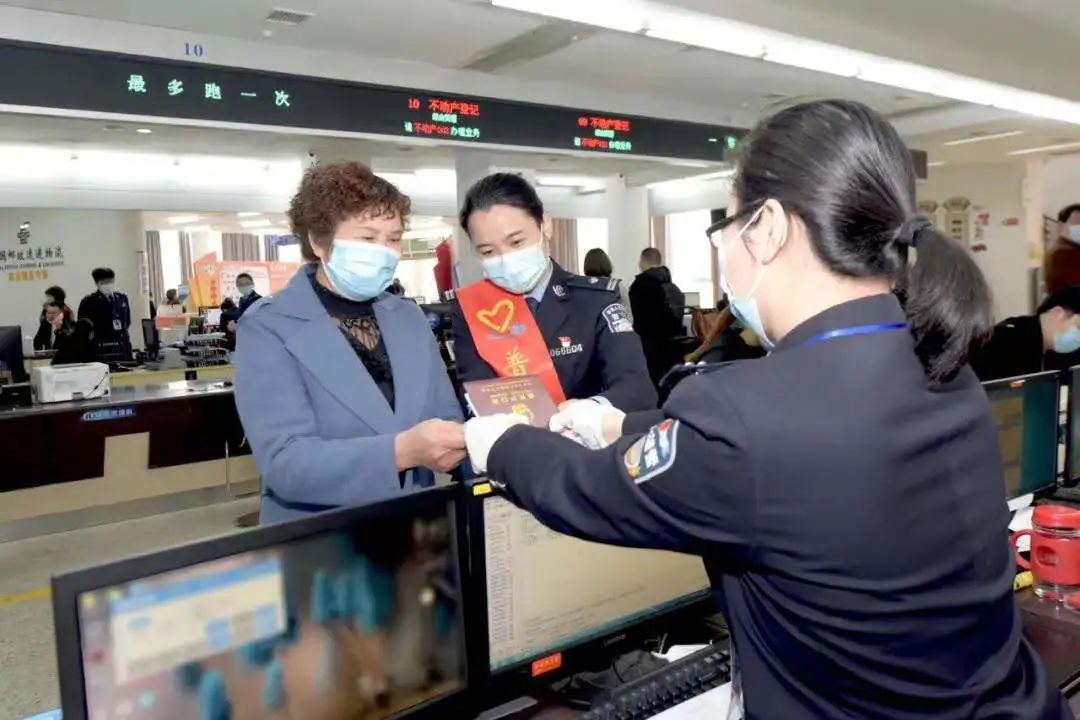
23,260
91,81
440,117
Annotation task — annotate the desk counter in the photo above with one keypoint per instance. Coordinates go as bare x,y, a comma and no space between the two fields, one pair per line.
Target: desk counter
146,449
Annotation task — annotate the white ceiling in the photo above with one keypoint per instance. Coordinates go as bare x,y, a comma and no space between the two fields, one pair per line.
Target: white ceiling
1030,44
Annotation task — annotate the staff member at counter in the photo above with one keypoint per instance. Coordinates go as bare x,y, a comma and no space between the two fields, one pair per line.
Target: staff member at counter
340,386
531,317
845,492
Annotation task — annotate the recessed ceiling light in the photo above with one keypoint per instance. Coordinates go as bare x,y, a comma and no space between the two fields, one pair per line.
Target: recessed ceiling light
1046,148
182,219
984,138
264,222
143,131
936,163
248,214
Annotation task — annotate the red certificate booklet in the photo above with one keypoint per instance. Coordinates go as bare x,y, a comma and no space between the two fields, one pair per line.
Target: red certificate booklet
523,395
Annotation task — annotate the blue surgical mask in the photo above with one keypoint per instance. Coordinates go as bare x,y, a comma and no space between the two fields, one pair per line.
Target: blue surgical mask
1068,341
518,271
245,290
1074,233
360,270
744,308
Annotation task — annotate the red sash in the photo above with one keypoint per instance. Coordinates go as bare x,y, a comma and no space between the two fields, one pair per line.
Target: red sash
506,334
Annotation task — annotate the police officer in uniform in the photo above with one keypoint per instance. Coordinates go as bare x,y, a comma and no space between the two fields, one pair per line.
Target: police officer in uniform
846,491
578,323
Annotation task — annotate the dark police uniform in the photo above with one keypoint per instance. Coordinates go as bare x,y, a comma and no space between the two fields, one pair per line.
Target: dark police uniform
851,517
589,337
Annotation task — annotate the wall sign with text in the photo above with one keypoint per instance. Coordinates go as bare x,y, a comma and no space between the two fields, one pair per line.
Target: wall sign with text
78,79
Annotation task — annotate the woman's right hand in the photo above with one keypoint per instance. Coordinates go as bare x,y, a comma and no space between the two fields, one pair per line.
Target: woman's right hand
434,444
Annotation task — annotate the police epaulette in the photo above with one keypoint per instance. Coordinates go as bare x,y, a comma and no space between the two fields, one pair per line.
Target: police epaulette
593,283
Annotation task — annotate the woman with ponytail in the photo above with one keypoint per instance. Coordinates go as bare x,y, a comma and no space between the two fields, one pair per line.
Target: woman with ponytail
845,492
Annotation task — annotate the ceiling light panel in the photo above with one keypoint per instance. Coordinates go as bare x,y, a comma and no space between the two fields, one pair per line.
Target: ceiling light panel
697,29
985,138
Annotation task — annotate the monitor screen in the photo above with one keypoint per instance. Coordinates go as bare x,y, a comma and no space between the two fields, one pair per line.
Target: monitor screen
213,316
1026,412
547,591
12,369
362,622
1073,441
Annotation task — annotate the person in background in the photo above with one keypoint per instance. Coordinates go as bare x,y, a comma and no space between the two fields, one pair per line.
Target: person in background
56,294
53,325
570,331
846,492
728,341
339,385
1022,345
76,346
396,288
597,264
230,316
108,309
1062,264
657,305
245,285
172,299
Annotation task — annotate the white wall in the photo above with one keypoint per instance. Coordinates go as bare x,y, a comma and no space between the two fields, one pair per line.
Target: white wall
995,188
1061,183
90,238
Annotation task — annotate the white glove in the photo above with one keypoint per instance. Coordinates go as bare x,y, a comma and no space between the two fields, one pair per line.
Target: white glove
593,424
481,434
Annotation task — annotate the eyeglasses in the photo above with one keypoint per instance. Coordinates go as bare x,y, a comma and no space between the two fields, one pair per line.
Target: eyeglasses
715,232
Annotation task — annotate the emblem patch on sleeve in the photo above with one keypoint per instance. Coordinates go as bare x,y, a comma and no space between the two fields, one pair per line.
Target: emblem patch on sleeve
618,320
653,453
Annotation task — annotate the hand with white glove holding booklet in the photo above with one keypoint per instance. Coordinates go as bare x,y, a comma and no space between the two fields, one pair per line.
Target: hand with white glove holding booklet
481,434
589,422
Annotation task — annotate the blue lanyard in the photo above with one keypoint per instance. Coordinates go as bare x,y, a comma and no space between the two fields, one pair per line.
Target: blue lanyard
856,330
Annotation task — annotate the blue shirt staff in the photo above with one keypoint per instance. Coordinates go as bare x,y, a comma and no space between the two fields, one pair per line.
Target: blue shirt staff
845,492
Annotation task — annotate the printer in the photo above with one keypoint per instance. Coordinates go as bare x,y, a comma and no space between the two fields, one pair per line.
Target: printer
78,381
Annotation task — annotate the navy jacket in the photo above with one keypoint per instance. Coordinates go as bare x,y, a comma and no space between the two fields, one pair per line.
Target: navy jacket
589,337
322,432
851,517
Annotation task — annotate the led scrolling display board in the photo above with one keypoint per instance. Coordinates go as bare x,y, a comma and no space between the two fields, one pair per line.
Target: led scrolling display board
69,78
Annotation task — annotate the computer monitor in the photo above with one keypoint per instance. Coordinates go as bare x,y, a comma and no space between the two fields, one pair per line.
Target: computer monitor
213,317
1026,410
12,368
550,597
1072,438
355,613
151,340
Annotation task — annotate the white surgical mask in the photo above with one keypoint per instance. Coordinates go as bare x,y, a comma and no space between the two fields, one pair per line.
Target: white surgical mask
745,308
519,271
107,288
360,270
1074,233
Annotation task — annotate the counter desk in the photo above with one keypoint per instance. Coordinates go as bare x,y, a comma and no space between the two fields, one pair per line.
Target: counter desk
147,449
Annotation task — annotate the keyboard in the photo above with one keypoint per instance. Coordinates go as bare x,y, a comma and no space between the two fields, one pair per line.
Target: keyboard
661,689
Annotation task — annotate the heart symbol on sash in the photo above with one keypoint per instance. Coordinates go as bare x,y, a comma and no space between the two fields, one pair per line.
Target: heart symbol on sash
498,318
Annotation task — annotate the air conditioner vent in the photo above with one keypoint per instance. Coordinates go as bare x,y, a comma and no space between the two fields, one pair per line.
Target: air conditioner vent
282,16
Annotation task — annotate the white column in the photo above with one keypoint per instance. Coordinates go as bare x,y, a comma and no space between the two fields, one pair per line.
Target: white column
627,212
1034,202
470,166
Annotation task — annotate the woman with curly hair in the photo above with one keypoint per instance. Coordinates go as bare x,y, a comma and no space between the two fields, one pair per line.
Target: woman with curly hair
339,384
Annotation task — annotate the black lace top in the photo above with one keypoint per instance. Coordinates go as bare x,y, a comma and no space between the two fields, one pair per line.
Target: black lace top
357,323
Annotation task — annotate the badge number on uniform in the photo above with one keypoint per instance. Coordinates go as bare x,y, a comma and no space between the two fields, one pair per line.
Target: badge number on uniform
617,319
653,453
